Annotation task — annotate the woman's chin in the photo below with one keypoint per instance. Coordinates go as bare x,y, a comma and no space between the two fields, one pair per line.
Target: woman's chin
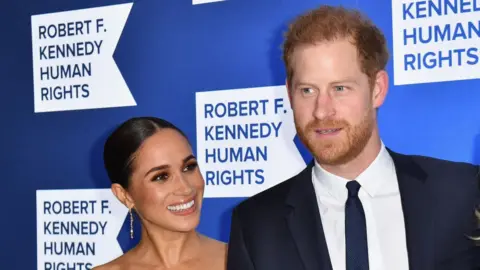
184,223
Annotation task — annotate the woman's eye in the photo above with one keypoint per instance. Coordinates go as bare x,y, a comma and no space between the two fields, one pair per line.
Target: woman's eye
191,167
161,177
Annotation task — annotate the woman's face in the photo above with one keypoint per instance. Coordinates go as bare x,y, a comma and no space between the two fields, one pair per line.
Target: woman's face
166,186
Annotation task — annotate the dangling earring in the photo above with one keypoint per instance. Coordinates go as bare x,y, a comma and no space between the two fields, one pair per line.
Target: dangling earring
131,224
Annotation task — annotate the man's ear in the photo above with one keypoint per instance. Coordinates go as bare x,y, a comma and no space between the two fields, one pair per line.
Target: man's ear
122,195
380,89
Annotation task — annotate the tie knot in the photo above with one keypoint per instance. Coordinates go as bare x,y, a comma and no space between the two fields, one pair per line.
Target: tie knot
353,188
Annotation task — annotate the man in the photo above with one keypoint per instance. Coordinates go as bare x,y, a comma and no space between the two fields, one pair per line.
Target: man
358,205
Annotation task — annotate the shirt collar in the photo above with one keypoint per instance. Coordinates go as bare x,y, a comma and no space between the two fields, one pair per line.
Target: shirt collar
378,179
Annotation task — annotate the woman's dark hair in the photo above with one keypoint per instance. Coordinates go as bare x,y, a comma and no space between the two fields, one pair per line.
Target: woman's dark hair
124,142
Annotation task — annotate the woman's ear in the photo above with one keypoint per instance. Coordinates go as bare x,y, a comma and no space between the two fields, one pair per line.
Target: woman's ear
122,195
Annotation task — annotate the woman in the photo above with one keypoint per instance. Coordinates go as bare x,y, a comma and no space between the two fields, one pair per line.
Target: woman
155,174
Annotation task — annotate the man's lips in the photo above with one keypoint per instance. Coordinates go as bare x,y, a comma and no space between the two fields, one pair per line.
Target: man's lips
327,131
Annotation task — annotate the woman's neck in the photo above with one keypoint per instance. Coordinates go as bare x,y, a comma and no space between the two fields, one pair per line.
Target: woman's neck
168,248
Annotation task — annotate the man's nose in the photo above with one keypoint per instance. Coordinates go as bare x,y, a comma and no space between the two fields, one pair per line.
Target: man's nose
324,106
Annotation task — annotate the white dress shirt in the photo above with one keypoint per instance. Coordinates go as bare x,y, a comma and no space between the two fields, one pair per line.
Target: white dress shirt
380,198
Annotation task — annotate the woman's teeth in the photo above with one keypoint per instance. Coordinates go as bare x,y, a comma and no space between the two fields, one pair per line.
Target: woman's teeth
181,207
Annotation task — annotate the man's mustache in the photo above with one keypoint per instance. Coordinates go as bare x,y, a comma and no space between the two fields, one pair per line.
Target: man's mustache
327,124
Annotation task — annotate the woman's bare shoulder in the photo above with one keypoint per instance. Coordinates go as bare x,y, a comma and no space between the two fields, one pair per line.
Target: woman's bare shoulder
116,264
215,245
108,266
219,255
215,253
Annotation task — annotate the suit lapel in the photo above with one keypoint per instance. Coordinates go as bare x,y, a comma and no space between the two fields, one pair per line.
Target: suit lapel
417,211
304,223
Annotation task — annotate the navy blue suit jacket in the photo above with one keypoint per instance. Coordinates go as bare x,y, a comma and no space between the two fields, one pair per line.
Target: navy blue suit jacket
280,228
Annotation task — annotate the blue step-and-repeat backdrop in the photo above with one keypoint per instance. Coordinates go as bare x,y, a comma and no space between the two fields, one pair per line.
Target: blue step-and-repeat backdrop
73,70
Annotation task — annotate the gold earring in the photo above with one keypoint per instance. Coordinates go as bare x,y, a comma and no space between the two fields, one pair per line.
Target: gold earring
131,224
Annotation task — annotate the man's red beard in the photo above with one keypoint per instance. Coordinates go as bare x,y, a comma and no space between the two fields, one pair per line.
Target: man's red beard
342,147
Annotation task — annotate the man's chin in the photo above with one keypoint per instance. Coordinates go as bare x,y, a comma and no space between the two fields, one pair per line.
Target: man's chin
328,160
329,155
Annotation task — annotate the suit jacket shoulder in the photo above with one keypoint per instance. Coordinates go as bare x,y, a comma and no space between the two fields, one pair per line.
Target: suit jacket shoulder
436,164
440,170
271,202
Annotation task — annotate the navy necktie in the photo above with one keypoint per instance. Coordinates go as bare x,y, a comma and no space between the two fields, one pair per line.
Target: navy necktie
355,230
